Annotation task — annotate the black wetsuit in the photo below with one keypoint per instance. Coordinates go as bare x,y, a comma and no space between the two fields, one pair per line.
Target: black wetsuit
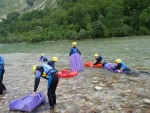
2,86
98,60
52,64
51,87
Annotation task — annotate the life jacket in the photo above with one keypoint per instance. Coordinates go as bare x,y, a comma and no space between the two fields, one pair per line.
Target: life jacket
74,50
123,67
2,62
48,70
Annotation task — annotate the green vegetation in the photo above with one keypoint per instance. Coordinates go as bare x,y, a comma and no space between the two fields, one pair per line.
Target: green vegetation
77,19
7,6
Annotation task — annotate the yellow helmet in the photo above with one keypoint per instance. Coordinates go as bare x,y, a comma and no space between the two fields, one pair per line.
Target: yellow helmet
54,59
96,55
74,43
118,61
34,69
42,54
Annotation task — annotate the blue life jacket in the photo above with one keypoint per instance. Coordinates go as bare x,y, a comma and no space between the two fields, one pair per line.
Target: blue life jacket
2,63
74,50
124,66
48,70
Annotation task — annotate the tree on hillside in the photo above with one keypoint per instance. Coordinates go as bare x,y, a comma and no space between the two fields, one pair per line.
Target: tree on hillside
12,17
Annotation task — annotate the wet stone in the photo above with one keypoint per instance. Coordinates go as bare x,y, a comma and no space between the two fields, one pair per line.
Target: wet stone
98,88
95,82
146,100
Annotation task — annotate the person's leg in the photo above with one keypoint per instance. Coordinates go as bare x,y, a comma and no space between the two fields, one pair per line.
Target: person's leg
1,86
1,89
50,99
2,73
52,89
56,79
54,98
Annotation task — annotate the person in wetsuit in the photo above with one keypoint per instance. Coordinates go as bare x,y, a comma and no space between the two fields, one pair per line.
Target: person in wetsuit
43,58
120,65
47,72
74,49
52,62
2,71
99,60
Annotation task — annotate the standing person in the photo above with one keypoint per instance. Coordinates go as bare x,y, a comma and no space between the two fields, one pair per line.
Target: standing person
47,72
121,66
43,58
76,62
99,60
74,49
2,71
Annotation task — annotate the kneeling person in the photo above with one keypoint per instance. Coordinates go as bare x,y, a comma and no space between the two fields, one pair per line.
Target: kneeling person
99,60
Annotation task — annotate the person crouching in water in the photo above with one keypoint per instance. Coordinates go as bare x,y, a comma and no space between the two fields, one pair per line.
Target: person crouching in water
121,66
99,60
2,71
74,49
43,58
47,72
52,62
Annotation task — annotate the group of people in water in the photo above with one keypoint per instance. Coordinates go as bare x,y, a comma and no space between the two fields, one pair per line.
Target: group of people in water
119,64
48,71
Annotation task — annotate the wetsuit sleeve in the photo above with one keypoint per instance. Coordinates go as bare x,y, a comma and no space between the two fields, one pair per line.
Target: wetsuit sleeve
38,74
70,52
98,61
118,66
79,51
36,84
41,57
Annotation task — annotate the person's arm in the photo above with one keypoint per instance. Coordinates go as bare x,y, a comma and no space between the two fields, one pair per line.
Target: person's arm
98,60
70,52
38,74
118,66
36,84
79,51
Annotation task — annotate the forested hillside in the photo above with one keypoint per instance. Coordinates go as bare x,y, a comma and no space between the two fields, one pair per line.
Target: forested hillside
78,19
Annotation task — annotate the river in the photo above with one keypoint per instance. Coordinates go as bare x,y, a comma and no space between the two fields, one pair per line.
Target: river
117,93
